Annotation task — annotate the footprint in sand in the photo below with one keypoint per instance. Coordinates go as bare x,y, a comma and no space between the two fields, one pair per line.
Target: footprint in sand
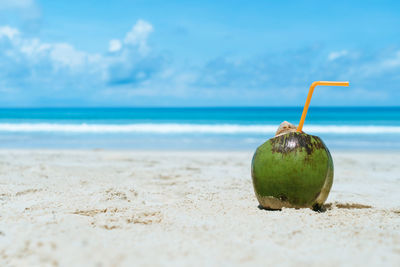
28,191
114,218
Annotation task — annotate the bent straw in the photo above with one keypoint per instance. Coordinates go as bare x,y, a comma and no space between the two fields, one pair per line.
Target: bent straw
310,92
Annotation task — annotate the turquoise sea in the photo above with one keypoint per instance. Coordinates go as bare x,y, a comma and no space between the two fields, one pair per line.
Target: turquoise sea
236,128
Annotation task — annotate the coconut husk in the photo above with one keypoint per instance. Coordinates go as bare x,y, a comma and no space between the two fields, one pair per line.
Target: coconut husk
286,127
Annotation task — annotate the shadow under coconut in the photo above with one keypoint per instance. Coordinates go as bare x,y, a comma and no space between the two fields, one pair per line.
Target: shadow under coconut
348,206
329,206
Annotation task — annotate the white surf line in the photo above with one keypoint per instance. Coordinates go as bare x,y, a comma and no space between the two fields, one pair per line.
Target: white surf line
165,128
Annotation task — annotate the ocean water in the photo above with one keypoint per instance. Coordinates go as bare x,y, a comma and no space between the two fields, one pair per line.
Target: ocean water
350,128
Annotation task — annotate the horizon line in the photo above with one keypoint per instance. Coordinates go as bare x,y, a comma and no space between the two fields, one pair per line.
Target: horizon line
183,107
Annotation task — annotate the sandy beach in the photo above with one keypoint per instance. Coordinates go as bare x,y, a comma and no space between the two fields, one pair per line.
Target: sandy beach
126,208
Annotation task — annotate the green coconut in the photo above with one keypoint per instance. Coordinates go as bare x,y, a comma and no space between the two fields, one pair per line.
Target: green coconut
292,170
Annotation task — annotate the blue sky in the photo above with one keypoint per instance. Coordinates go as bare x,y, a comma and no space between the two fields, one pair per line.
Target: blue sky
203,53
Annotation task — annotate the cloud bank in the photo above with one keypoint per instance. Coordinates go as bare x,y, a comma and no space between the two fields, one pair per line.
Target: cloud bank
131,73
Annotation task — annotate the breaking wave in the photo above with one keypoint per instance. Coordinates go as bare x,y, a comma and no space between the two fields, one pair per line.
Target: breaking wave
171,128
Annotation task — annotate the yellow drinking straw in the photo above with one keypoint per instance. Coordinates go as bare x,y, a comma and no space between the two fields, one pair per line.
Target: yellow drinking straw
310,92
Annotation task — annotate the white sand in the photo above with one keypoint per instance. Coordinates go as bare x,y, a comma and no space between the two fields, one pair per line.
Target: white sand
100,208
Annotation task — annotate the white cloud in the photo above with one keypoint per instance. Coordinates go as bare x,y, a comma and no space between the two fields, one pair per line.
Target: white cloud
138,36
37,68
392,62
387,64
66,55
60,54
34,47
115,45
8,32
27,10
337,54
6,4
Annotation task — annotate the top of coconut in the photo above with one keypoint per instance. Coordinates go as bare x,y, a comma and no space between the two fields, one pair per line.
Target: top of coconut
285,127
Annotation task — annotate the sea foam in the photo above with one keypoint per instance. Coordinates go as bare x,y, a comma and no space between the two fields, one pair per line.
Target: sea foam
171,128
